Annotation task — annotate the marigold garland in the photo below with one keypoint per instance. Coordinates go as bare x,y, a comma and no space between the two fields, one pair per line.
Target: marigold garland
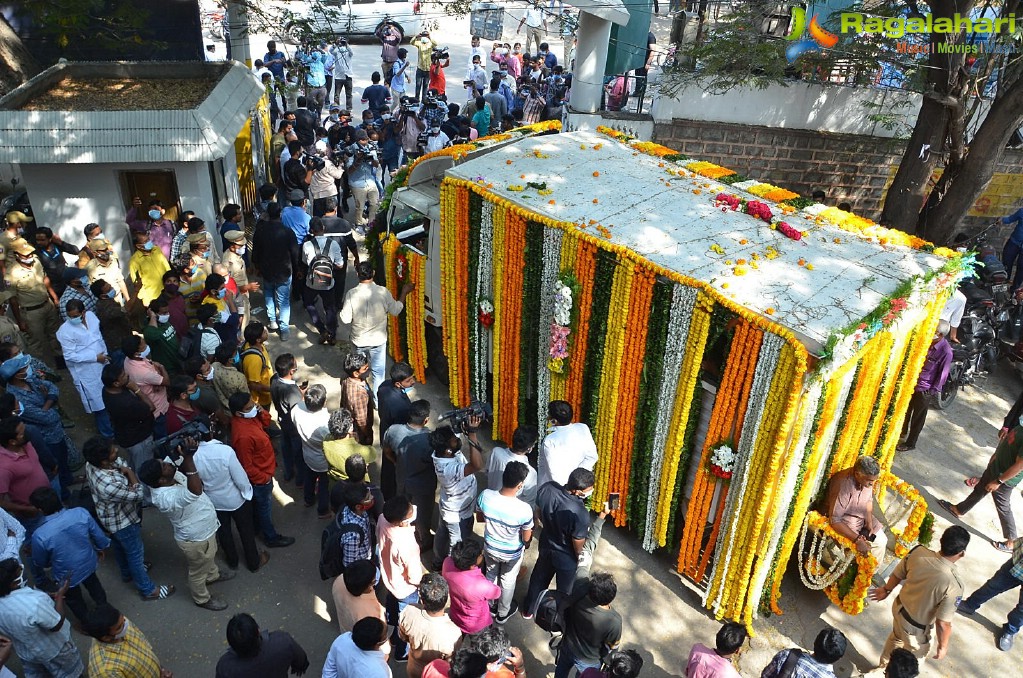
391,246
866,564
905,539
415,316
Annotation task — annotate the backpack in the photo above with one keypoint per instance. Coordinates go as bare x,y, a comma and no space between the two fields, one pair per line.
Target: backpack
331,552
321,268
547,615
191,344
253,351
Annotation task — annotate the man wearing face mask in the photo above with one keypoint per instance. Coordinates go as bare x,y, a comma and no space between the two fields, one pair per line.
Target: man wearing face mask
85,255
104,266
14,228
566,524
401,567
234,260
256,454
162,337
86,354
119,647
160,229
151,377
146,267
37,625
113,322
37,302
76,286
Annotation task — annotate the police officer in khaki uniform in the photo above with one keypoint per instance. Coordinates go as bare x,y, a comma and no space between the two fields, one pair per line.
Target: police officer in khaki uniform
37,302
931,590
9,330
14,228
105,267
235,262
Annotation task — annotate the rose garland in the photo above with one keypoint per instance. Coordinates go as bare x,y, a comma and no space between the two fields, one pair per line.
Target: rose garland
559,380
560,327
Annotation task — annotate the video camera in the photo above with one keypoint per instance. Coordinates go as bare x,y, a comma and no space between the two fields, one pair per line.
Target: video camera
314,163
362,153
440,54
409,105
185,439
460,417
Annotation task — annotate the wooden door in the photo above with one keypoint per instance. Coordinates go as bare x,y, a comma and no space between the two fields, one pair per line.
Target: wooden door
147,185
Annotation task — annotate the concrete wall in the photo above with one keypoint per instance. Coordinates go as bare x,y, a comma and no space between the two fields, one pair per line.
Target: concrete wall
848,167
67,197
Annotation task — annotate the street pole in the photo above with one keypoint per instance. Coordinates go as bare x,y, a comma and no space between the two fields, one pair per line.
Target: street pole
238,31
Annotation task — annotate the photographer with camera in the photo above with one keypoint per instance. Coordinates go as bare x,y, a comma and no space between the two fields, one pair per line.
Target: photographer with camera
409,126
343,71
432,111
399,76
298,170
456,476
425,46
361,166
432,139
324,183
179,496
311,58
439,60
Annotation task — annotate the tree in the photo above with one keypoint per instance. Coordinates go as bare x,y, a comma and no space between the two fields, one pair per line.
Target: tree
957,88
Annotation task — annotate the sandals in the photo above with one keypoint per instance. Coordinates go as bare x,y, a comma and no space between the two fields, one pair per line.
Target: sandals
948,508
161,592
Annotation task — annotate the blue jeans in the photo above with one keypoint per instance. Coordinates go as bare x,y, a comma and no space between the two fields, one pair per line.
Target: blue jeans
262,499
1011,258
394,608
1000,582
566,660
103,424
278,301
316,489
377,365
130,554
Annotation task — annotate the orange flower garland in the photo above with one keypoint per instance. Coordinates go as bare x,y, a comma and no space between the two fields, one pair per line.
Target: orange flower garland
585,269
415,320
629,381
391,246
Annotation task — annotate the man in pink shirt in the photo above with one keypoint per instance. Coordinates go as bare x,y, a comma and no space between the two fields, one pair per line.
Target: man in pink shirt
471,592
717,663
850,507
401,568
151,378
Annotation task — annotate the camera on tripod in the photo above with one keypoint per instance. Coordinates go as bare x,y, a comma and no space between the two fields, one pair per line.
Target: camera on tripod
460,418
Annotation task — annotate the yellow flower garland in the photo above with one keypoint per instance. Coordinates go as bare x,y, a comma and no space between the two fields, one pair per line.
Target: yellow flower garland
415,317
866,564
916,516
390,247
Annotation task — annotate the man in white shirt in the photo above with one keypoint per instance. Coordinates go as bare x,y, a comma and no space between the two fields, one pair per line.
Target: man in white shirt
365,308
475,51
310,419
179,496
953,314
534,21
456,476
358,653
568,447
343,72
523,440
435,139
227,486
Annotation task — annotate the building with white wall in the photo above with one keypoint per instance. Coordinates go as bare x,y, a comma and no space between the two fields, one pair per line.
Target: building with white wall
90,136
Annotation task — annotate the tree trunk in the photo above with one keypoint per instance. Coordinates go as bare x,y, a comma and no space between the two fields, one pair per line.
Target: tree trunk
978,166
909,188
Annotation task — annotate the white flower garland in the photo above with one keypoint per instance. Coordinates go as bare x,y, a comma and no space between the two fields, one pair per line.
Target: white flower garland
813,580
683,301
786,494
549,276
763,375
484,276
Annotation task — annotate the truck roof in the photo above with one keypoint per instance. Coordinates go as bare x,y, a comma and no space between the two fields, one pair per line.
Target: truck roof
815,286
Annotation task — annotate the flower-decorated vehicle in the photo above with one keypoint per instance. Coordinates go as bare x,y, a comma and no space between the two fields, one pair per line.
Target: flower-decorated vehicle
730,344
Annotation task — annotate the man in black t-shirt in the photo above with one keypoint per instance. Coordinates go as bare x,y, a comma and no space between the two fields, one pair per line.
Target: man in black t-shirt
592,628
306,123
336,228
566,523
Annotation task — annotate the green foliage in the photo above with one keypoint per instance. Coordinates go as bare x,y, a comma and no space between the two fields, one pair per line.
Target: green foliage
732,179
104,23
926,530
603,279
799,203
530,332
848,579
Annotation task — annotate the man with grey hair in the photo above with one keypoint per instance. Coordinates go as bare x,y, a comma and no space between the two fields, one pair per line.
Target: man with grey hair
850,507
928,385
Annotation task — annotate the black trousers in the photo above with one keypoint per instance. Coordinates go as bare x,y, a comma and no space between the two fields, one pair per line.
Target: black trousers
243,518
328,322
75,599
915,418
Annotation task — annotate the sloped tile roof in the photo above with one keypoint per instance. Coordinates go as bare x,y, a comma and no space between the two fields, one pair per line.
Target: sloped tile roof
203,133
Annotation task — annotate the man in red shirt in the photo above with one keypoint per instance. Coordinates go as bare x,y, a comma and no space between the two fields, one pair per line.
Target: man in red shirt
255,452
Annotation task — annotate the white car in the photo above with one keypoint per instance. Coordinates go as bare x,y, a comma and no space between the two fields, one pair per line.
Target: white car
355,17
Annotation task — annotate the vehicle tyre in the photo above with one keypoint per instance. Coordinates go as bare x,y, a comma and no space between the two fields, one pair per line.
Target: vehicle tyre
951,388
395,25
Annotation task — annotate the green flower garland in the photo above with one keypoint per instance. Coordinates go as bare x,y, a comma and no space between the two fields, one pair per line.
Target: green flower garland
531,331
603,279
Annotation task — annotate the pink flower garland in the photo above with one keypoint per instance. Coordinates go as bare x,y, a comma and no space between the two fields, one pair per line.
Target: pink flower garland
788,231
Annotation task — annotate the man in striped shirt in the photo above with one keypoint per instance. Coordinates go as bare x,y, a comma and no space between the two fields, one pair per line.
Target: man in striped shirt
508,531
